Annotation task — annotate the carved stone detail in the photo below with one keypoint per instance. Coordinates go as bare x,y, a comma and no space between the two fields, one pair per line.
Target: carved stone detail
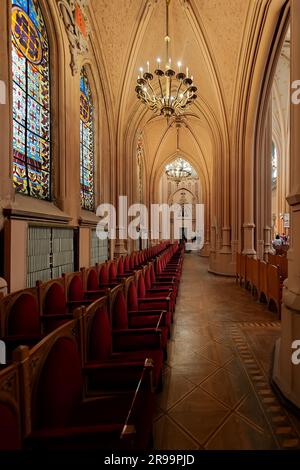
77,27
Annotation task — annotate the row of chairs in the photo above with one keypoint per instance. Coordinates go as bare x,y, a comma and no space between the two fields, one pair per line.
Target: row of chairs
263,279
89,382
27,315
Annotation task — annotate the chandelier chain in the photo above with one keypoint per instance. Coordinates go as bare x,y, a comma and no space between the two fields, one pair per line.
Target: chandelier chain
171,93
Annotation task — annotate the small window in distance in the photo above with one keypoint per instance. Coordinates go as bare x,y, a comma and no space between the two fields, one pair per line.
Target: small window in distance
274,164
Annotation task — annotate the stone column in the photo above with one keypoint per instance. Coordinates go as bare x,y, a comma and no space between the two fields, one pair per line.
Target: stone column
6,187
286,375
248,201
268,183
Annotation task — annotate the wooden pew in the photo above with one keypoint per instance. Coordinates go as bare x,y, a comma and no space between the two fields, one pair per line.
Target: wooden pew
255,277
52,303
57,414
238,267
249,273
20,321
10,409
243,269
274,287
263,281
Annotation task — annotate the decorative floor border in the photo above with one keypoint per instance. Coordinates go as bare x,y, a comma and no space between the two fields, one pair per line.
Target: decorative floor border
284,431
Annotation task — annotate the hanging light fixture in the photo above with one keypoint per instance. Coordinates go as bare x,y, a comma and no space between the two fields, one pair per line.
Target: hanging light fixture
179,169
166,92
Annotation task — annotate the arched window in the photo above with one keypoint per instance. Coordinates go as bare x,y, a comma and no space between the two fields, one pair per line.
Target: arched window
87,137
31,100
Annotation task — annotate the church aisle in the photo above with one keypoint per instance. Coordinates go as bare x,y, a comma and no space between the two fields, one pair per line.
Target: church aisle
216,392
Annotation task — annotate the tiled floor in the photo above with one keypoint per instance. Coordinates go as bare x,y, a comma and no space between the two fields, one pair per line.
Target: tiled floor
216,392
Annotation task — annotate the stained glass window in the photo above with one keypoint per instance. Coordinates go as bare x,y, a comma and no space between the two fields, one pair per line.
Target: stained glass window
31,100
274,164
87,191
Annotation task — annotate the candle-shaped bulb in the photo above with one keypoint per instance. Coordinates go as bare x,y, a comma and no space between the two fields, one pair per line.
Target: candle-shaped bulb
192,77
141,70
148,67
187,72
179,66
158,62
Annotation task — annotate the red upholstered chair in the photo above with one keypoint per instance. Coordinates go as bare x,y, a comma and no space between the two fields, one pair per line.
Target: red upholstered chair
120,267
121,319
118,349
153,289
163,275
76,293
10,418
163,301
132,262
127,265
114,277
121,273
91,284
62,419
172,283
53,305
138,306
20,319
104,281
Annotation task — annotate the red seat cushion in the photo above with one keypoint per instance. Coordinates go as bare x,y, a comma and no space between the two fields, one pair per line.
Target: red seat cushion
132,356
112,271
126,264
120,314
76,292
92,280
100,341
55,302
103,275
141,287
120,266
132,297
59,391
24,317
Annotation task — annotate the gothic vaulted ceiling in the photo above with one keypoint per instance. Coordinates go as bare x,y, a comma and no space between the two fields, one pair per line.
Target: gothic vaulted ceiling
207,35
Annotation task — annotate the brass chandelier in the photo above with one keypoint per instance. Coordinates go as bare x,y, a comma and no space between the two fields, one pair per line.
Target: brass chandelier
179,169
166,92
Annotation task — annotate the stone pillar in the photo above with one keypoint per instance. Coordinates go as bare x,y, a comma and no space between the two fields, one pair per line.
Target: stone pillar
6,187
286,375
268,184
248,201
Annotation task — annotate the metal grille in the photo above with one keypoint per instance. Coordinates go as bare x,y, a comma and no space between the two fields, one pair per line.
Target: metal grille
99,249
50,252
